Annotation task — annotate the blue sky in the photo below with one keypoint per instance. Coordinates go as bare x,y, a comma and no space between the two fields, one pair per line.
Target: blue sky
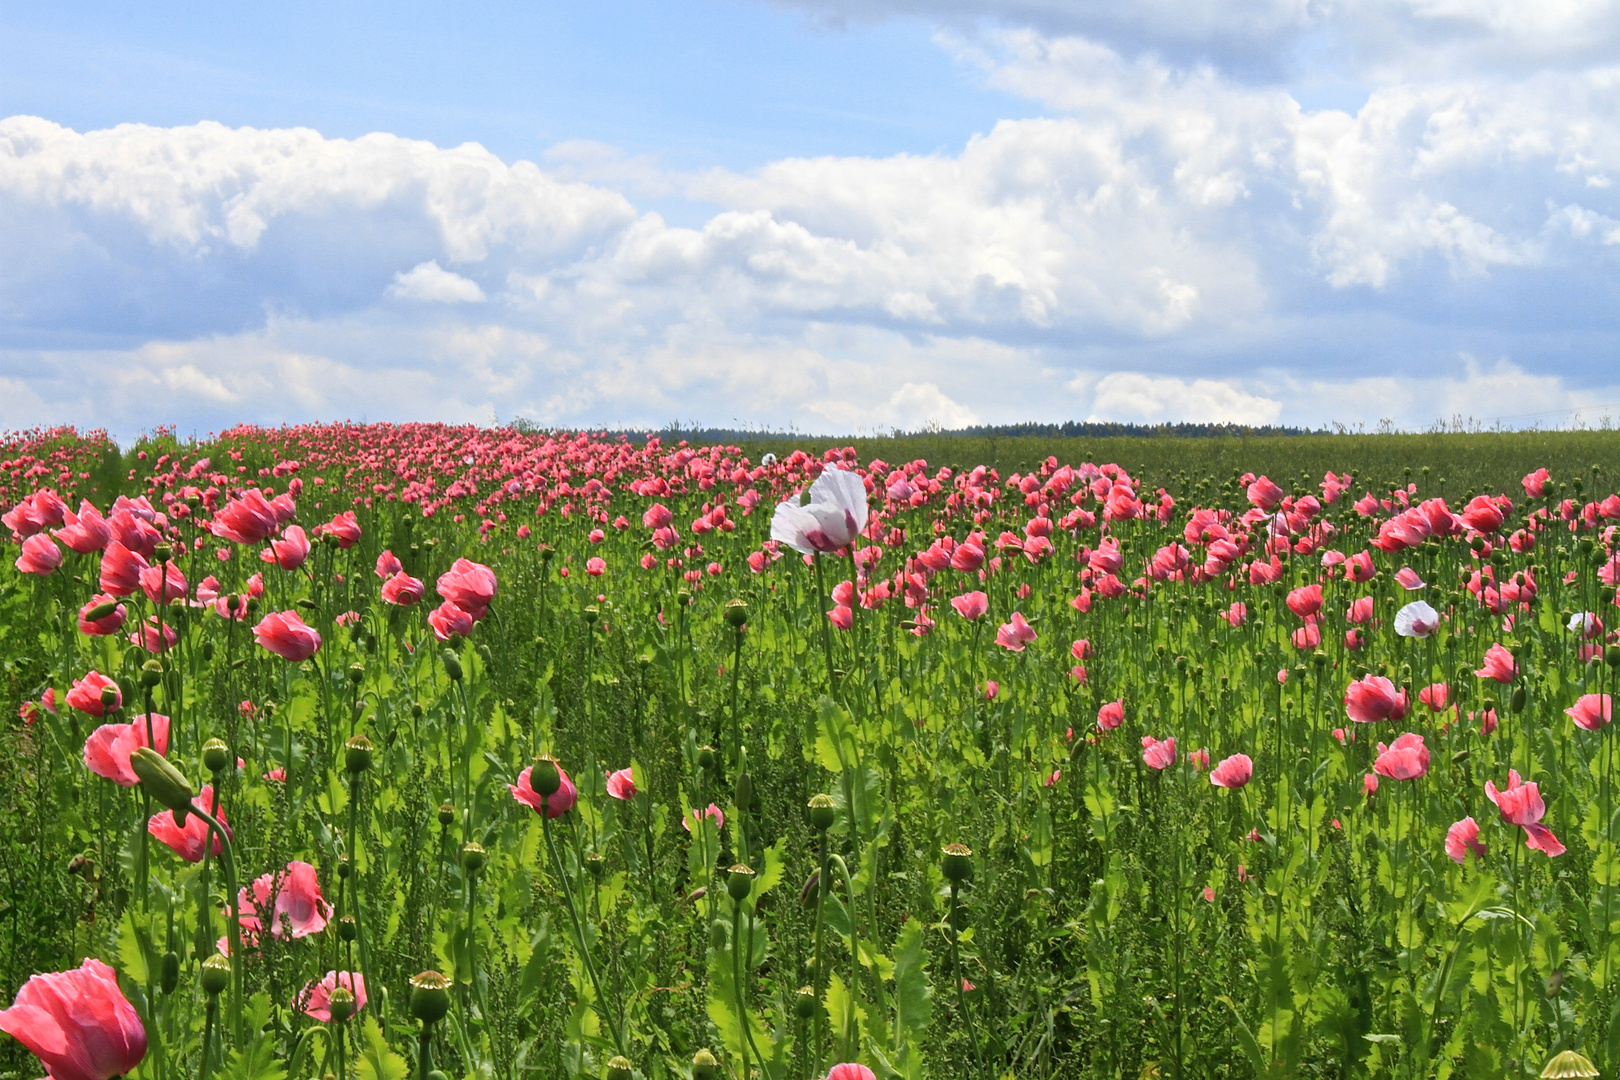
840,215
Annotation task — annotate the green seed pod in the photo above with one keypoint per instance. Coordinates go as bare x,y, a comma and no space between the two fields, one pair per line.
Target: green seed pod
452,664
252,606
717,935
544,779
592,616
162,781
447,814
357,754
430,996
344,869
1611,656
957,863
618,1067
595,864
736,614
216,756
163,552
1568,1065
357,673
705,757
171,972
739,881
109,696
341,1003
823,812
216,974
416,710
704,1067
804,1002
348,929
473,857
151,673
546,553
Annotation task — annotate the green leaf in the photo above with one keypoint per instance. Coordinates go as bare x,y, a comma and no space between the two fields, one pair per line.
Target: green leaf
377,1061
913,996
256,1062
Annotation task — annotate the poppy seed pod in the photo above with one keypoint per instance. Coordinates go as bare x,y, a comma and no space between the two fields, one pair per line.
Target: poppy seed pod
348,929
1567,1065
109,696
804,1002
705,757
544,779
216,756
341,1003
357,673
595,864
1611,656
162,781
823,812
547,553
957,863
704,1067
344,869
216,974
592,616
151,673
163,552
473,857
447,814
430,996
739,881
357,754
736,614
618,1067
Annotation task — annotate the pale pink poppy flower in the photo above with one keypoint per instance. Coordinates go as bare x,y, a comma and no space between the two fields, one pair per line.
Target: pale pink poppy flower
621,785
1308,636
850,1070
1015,634
1360,611
40,556
1111,715
992,690
299,908
190,840
78,1023
1535,484
1417,619
1237,614
1081,650
835,515
695,816
1233,772
468,585
1374,699
1462,838
1482,514
288,636
657,516
1199,759
971,605
1359,567
1408,579
1369,784
1158,755
596,567
1265,495
842,616
403,590
388,565
86,694
1407,758
248,520
1592,711
346,527
1499,665
107,750
1487,721
316,998
1521,804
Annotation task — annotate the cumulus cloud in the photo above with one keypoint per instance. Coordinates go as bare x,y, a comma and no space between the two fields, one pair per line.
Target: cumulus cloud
1176,238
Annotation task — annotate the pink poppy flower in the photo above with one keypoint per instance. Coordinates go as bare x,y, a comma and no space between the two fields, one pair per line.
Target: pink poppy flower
1305,601
1373,699
1359,567
1199,759
77,1023
596,567
288,636
1462,838
1408,579
107,750
402,590
1499,665
40,556
1592,711
1360,611
992,690
1406,759
842,616
448,621
86,531
1436,696
469,586
121,570
1015,634
289,551
1158,755
1233,772
621,785
850,1071
189,840
299,909
694,816
971,605
1111,715
316,998
557,805
388,565
89,694
1521,804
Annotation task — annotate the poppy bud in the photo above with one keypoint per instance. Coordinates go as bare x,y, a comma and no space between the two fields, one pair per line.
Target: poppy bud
804,1002
744,792
1518,699
705,757
736,614
216,974
544,779
171,972
151,673
162,781
739,881
957,863
348,929
341,1002
1459,757
812,886
704,1067
717,935
305,602
232,603
216,756
452,665
430,996
473,857
101,611
357,754
447,815
823,812
208,650
1606,594
618,1067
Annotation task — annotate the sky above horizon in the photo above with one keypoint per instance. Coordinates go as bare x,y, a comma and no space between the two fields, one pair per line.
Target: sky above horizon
838,216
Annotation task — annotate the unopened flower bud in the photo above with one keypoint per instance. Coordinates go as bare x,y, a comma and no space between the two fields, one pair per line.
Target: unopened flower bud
743,792
216,974
171,972
452,664
216,756
430,996
162,781
101,611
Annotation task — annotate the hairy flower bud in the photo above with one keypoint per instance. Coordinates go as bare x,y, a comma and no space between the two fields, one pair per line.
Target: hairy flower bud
162,781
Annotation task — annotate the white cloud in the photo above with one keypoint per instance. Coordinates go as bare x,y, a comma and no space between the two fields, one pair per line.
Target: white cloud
430,281
1143,399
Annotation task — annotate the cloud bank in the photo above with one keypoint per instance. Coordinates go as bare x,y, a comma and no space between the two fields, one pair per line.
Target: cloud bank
1176,237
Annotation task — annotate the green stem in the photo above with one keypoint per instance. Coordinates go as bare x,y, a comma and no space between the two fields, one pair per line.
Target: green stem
579,930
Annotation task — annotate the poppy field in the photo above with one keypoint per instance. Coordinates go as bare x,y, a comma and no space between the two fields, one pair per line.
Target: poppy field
378,752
